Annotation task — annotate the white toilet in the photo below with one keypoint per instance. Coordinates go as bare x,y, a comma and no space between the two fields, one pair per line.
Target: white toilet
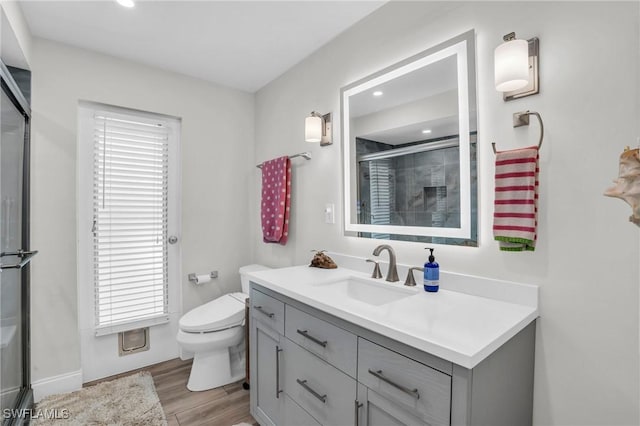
214,333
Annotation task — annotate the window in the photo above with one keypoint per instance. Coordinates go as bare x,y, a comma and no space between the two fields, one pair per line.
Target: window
381,194
130,216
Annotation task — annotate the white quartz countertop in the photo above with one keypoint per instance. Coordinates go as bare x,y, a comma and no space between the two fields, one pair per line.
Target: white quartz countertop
454,325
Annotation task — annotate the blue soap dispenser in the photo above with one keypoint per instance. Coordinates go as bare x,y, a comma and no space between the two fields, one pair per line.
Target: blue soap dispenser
431,274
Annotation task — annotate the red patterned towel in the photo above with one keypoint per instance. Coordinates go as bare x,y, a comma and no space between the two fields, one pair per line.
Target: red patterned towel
515,217
276,200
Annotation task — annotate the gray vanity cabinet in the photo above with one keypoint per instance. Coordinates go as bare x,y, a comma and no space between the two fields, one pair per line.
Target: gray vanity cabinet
322,390
266,356
413,387
311,368
269,403
373,409
332,344
293,414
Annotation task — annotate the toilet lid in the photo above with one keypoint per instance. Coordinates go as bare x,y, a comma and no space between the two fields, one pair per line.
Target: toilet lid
224,312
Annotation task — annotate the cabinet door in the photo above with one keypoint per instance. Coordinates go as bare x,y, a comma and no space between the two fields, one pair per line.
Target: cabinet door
373,409
266,363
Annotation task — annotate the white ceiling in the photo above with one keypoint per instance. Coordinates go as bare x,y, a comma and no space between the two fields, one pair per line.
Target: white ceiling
422,83
440,128
241,44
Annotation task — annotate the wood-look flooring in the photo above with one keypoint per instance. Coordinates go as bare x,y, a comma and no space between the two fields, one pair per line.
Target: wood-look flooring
224,406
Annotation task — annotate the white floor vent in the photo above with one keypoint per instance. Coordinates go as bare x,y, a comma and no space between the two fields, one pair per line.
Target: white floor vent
133,341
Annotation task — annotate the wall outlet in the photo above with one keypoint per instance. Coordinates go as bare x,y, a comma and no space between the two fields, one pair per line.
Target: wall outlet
329,213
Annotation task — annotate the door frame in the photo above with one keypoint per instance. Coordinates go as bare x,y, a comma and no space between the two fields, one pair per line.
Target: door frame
24,401
99,356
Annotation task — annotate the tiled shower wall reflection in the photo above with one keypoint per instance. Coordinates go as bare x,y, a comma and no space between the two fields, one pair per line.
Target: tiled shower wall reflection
427,188
423,190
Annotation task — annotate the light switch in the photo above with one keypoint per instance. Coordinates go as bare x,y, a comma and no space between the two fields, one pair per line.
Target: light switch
329,213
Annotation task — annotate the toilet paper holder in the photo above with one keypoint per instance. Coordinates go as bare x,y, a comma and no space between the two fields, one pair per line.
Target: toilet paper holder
193,277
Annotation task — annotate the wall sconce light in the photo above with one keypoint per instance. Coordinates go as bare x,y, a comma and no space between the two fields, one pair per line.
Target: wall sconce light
317,128
516,67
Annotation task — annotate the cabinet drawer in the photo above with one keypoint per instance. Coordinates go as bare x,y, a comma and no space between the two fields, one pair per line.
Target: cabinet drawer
423,391
322,390
294,415
331,343
267,310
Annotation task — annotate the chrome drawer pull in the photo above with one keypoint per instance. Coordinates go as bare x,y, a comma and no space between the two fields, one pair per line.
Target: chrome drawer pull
358,405
413,392
278,390
304,384
262,311
322,343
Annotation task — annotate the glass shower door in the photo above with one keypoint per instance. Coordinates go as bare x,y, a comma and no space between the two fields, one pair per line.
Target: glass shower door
14,255
11,156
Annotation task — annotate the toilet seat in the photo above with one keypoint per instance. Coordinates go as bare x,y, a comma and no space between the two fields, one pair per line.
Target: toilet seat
219,314
194,342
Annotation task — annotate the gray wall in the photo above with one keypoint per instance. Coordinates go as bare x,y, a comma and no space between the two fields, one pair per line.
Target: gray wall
586,262
217,162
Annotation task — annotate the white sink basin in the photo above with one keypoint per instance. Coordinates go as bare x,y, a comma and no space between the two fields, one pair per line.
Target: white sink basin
369,291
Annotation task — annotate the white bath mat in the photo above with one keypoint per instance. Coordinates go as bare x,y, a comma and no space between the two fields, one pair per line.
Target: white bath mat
130,400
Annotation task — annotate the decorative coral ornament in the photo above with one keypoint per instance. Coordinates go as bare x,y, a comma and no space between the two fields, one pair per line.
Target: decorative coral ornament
321,260
627,186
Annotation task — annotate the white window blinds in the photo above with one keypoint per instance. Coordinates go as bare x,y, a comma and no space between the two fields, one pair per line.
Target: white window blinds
381,192
130,208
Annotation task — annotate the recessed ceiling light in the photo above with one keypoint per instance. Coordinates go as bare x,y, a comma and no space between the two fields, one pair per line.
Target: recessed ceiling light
377,93
426,131
126,3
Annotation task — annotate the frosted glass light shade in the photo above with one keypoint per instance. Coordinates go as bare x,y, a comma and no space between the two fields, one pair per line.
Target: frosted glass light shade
511,61
313,129
126,3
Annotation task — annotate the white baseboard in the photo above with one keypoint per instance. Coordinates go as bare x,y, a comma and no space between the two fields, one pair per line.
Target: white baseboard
62,383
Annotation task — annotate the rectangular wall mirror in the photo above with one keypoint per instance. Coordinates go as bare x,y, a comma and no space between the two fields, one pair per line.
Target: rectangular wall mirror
409,147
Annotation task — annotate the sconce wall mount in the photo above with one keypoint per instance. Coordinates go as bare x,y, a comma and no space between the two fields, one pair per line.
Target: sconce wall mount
533,81
318,128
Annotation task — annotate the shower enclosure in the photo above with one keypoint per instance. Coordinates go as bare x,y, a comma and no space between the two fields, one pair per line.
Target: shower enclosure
414,184
16,396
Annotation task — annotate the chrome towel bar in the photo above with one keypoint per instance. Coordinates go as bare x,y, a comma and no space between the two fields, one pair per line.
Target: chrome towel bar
306,155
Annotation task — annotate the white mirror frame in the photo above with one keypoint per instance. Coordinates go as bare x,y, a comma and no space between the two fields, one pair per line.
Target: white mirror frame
462,47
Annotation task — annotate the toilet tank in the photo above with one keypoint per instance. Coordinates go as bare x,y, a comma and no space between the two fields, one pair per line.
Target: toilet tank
244,280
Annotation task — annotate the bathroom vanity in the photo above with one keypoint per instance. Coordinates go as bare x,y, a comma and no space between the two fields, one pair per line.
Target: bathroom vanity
333,347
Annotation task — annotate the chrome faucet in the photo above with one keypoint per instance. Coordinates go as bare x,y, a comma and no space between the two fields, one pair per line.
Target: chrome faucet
411,281
392,273
376,270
